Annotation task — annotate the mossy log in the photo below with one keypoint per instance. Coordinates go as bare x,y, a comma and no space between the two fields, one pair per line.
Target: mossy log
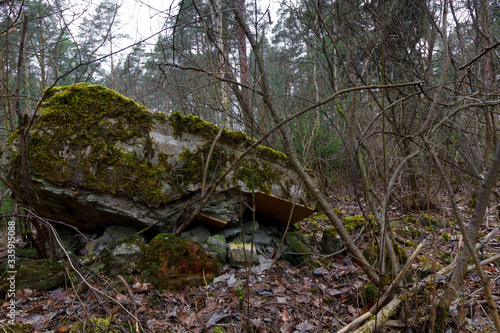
97,158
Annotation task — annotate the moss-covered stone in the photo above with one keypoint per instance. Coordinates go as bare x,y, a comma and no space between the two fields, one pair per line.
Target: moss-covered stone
367,293
173,262
427,267
297,251
330,241
428,220
217,244
18,328
351,223
193,162
123,257
196,125
44,274
89,127
261,175
239,254
109,135
410,220
372,254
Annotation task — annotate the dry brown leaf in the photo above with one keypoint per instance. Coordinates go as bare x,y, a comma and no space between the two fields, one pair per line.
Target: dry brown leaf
140,287
120,298
284,315
278,289
282,299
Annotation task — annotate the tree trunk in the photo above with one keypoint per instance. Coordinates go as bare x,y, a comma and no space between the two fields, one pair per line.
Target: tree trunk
311,185
244,75
458,274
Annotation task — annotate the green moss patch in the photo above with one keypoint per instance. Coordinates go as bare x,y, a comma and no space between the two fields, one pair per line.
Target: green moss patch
261,176
95,325
43,274
296,243
173,262
372,254
353,222
18,328
194,162
95,139
428,220
367,293
196,125
78,139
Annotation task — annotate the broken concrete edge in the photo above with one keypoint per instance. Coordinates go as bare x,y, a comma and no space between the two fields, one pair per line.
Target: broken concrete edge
280,210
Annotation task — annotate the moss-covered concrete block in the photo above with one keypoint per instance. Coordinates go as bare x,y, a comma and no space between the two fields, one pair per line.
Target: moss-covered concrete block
240,254
97,157
43,274
330,241
173,262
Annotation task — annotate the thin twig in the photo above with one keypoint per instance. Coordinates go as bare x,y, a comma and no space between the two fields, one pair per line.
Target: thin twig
132,299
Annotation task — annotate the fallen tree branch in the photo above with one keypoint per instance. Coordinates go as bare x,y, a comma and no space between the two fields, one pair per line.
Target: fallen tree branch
132,300
393,304
387,312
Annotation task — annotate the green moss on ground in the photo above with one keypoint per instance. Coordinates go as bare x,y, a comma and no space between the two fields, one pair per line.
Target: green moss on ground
411,231
18,328
351,223
367,294
94,325
43,274
430,221
410,220
356,221
372,252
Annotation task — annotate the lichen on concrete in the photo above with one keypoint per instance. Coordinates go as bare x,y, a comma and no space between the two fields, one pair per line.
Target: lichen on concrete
238,139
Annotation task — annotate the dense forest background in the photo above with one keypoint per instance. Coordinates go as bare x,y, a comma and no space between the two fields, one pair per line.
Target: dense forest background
395,101
319,56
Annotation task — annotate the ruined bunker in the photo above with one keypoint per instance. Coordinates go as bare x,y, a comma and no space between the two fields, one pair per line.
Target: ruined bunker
97,158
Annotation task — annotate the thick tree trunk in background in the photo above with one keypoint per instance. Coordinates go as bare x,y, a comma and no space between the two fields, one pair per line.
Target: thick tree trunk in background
225,89
311,185
244,75
42,239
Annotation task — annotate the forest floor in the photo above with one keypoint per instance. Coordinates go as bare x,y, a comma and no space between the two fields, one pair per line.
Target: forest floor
283,299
